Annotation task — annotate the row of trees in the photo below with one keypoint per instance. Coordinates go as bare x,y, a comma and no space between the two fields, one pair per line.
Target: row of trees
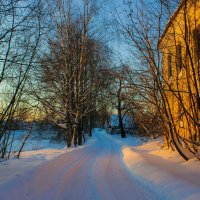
70,73
53,57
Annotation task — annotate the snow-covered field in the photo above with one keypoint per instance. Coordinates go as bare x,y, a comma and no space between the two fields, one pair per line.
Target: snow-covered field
105,168
38,140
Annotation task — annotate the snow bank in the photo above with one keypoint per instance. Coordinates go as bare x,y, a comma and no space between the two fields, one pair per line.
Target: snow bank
31,159
164,171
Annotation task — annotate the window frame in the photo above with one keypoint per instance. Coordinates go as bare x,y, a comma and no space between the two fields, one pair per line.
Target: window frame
179,59
169,65
196,39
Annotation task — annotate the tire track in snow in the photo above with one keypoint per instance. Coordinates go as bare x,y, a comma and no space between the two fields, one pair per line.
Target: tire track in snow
114,182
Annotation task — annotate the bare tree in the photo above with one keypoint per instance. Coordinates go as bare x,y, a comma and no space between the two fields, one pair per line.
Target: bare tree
142,30
69,75
119,94
19,39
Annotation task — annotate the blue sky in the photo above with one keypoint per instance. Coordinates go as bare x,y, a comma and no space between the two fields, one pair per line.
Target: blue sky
108,14
109,9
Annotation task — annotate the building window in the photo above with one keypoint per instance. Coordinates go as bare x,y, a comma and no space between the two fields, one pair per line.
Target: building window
180,108
169,65
179,57
197,43
197,102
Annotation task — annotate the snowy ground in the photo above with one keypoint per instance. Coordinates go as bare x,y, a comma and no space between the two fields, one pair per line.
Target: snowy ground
106,168
164,171
38,140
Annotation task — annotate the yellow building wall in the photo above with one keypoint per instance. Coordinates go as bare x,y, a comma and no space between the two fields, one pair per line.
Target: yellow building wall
181,31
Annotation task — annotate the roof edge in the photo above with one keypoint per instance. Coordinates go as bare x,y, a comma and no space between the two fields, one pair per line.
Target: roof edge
180,6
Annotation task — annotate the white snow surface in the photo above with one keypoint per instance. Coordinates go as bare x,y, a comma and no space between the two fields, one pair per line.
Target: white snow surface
105,168
164,171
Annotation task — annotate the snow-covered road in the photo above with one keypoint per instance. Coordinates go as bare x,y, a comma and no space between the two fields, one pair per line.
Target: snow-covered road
96,172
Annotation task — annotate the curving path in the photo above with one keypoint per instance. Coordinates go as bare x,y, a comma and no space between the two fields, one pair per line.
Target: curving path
95,172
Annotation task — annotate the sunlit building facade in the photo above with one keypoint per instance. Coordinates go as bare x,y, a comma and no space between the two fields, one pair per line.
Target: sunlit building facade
180,47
